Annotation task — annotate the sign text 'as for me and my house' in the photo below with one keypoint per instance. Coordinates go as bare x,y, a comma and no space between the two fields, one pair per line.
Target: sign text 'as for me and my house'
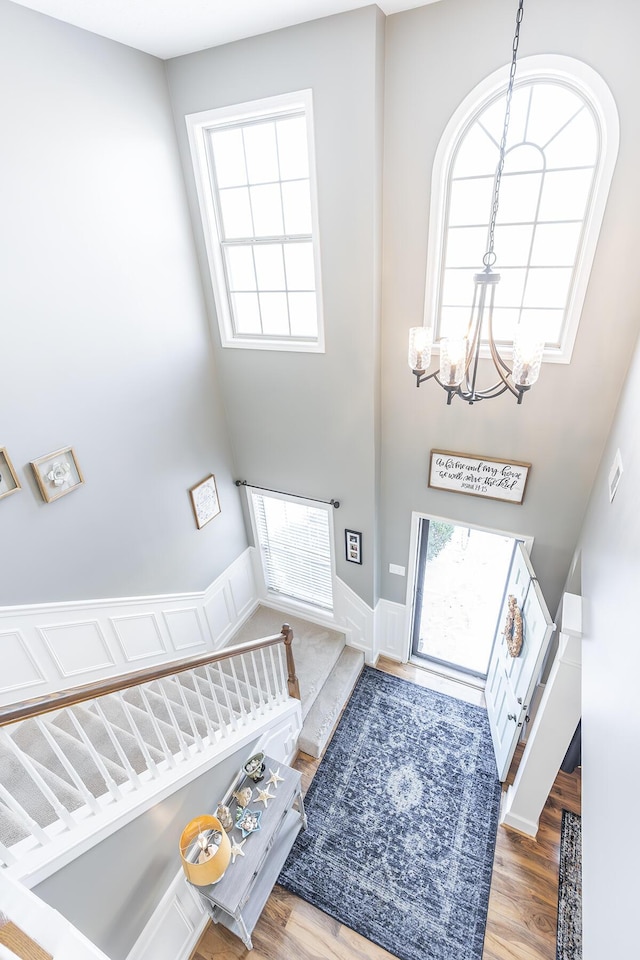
478,476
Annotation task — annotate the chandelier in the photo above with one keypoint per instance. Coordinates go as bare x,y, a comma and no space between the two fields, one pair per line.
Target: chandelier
459,356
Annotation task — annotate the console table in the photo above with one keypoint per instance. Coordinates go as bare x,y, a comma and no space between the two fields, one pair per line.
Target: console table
238,898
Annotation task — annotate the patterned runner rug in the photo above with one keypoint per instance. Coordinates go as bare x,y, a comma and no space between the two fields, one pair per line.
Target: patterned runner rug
403,813
569,941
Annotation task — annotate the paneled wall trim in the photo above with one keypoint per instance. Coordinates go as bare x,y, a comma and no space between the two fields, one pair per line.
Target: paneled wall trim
47,647
391,630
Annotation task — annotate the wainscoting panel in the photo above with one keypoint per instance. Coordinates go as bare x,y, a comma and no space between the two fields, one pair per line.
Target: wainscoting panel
356,618
19,669
185,628
391,630
218,608
47,645
242,587
139,636
77,648
175,927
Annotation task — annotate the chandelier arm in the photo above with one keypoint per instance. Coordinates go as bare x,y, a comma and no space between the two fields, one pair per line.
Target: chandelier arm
423,377
495,356
495,391
498,362
473,341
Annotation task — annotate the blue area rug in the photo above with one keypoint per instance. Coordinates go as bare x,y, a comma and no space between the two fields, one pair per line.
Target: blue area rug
403,813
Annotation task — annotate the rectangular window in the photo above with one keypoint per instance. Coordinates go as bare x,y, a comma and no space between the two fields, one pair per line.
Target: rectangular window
294,539
255,174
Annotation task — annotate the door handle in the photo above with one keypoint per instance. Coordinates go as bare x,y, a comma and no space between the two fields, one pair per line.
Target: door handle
511,716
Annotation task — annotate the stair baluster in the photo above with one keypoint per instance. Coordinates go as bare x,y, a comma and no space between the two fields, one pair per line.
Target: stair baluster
168,754
151,764
87,796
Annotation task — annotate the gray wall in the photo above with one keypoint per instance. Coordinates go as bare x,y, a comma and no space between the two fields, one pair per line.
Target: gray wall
306,423
104,341
110,892
610,561
435,55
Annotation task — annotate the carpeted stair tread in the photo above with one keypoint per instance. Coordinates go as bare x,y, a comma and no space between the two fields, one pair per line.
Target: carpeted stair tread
162,712
194,703
31,741
125,738
323,715
114,712
316,649
23,789
79,755
11,830
205,690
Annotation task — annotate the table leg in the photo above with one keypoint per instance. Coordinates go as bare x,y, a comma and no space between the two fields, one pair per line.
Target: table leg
246,936
303,812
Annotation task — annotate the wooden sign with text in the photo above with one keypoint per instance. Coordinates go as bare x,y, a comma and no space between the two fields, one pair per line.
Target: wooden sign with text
478,476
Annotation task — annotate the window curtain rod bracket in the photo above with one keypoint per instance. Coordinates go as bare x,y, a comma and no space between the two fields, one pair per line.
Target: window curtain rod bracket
244,483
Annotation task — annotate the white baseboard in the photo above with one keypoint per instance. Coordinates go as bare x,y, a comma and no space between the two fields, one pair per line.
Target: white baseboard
509,819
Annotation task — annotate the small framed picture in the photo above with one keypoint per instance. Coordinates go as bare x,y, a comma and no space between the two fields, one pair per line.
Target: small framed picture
57,473
8,480
353,546
204,500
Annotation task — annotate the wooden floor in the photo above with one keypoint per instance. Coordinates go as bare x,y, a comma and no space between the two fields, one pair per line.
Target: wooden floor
521,923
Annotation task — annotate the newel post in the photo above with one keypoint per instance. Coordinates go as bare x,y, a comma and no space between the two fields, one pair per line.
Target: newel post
292,680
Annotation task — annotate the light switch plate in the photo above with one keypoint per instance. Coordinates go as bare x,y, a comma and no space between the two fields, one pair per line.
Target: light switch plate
397,569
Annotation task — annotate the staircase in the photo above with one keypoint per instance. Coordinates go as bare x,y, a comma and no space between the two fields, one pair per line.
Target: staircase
71,763
327,670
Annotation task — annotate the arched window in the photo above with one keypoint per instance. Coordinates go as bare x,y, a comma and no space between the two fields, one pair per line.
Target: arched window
561,151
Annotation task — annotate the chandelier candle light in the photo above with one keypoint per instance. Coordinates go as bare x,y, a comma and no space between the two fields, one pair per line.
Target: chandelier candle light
459,356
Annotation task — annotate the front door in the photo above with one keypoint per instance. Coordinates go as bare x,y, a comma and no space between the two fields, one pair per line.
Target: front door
511,680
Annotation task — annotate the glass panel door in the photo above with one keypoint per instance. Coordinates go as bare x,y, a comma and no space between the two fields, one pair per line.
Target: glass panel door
462,575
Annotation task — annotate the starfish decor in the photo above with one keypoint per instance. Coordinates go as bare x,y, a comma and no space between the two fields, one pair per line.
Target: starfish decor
236,849
275,778
264,796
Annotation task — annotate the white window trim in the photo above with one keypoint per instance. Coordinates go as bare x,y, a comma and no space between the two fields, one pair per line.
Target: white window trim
197,126
279,600
590,85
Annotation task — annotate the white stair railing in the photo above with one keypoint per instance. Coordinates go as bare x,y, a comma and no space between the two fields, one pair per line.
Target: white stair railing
68,757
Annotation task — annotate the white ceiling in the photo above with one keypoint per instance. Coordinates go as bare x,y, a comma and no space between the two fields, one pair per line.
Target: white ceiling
170,28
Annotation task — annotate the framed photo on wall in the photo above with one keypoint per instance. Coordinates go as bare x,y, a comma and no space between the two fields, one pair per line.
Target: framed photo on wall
204,500
57,473
8,480
353,546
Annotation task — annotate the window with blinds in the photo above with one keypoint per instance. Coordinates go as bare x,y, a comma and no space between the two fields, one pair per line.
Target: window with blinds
294,540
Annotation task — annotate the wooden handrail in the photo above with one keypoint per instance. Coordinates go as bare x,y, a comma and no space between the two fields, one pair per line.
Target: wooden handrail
60,699
21,943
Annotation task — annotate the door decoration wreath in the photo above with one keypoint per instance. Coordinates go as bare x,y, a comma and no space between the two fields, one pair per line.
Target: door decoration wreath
513,627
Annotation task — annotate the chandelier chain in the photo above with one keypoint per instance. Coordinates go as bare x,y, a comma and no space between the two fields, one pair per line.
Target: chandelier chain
490,257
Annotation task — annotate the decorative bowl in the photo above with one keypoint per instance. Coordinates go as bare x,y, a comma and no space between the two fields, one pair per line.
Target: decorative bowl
249,822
